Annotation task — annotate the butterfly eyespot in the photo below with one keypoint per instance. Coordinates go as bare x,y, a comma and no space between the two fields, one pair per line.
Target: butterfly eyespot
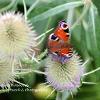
63,25
67,35
66,30
53,37
69,55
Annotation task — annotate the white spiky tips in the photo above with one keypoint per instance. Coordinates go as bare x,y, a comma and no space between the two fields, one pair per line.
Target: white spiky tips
5,73
17,41
16,35
64,76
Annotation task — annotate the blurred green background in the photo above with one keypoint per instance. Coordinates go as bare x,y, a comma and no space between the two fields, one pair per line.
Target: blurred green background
85,37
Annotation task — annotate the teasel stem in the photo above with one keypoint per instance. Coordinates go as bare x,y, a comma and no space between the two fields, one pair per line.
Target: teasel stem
59,96
25,10
43,34
42,55
32,7
85,10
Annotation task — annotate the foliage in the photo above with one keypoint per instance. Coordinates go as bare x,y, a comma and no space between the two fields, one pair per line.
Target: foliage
84,21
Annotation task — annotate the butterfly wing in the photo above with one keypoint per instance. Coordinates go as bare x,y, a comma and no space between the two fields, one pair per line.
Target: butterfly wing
59,43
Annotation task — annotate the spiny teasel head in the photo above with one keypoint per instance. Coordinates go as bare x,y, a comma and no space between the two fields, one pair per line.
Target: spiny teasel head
6,77
16,35
66,76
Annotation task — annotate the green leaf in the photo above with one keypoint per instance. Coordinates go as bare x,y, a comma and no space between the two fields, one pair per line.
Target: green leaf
92,19
97,3
56,10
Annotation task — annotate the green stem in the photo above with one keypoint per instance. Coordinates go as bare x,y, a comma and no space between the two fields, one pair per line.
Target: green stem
92,17
59,96
25,10
70,16
42,55
48,23
32,7
85,10
43,34
62,95
65,95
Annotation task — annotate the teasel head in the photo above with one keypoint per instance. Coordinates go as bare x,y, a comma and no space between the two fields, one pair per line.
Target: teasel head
9,78
6,77
65,76
17,37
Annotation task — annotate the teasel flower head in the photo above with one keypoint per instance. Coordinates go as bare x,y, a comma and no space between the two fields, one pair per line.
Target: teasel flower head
17,37
66,76
6,77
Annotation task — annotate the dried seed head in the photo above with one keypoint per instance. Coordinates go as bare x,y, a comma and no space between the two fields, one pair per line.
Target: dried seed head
16,35
64,76
6,77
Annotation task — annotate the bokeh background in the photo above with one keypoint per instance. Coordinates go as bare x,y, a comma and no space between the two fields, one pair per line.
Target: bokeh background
84,23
